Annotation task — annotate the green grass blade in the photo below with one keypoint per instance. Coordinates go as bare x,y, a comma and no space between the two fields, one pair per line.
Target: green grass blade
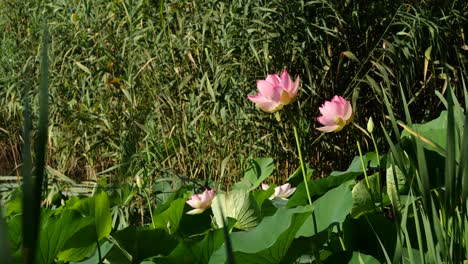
423,175
404,229
450,191
418,229
392,116
463,168
405,106
387,258
32,187
430,242
396,154
43,119
227,239
29,239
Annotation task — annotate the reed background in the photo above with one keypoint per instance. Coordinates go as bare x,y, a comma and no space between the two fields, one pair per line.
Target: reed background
159,88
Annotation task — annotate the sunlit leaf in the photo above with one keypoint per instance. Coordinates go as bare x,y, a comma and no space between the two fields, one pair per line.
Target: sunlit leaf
269,241
237,204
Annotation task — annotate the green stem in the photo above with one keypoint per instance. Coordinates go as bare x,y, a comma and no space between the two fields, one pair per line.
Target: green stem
149,207
362,164
379,189
376,149
342,243
99,250
364,170
302,165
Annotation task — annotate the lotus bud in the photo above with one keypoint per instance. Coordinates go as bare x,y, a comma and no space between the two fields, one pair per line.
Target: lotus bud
139,182
370,125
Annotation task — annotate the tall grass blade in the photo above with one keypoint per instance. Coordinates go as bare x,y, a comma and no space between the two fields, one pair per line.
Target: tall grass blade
423,175
450,188
418,229
32,186
396,154
387,258
404,229
463,168
392,116
227,239
430,242
29,239
405,106
43,121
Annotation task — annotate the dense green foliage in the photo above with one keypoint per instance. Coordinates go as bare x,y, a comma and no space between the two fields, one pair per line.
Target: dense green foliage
351,220
134,94
159,87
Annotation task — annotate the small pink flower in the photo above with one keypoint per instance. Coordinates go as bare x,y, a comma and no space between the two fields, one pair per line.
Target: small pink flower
201,202
283,191
275,92
336,114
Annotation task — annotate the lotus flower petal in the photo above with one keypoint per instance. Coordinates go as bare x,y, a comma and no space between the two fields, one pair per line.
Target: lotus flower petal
265,104
201,202
275,92
196,211
282,191
336,114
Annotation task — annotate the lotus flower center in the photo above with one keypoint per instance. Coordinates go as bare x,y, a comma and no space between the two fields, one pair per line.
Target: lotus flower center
339,121
285,98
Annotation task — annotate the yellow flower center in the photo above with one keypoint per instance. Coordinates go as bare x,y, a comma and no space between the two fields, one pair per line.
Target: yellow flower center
285,98
340,122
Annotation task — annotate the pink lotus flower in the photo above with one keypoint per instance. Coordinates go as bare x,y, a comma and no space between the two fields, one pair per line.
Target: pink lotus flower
201,202
336,114
282,191
275,92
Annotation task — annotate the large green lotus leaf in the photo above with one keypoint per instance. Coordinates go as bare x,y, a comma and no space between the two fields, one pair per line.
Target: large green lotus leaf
320,186
330,209
142,242
435,163
170,218
269,241
302,248
436,130
258,170
77,254
57,230
261,196
193,253
104,248
361,234
296,177
83,244
352,258
102,215
191,226
97,206
355,168
178,194
237,204
362,199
